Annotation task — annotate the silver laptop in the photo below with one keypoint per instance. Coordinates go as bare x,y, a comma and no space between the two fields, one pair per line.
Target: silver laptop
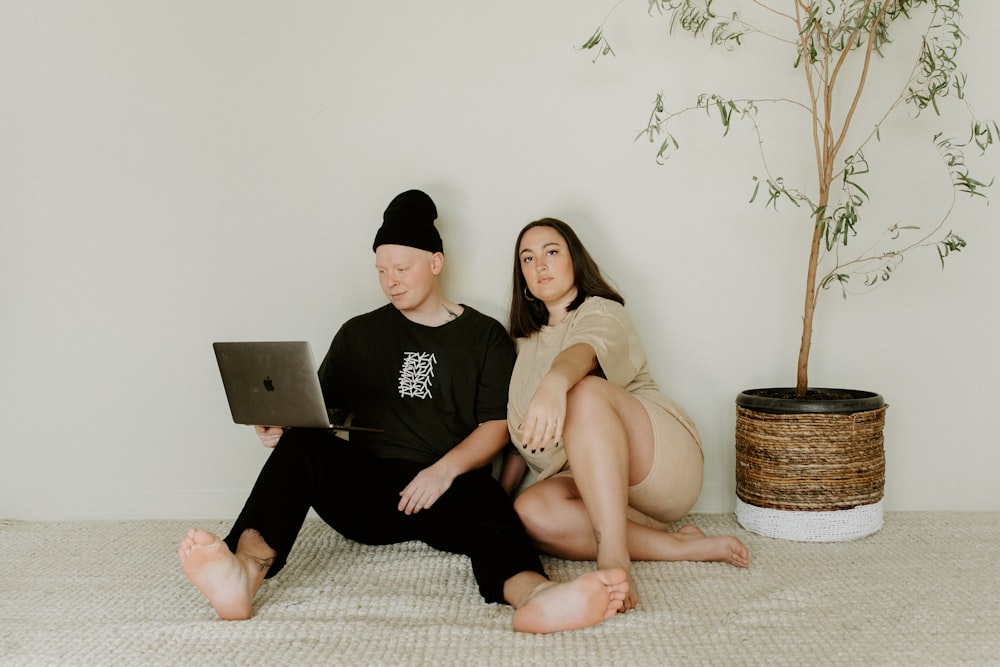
274,384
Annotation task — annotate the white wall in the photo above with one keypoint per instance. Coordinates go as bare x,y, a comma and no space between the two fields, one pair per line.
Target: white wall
175,173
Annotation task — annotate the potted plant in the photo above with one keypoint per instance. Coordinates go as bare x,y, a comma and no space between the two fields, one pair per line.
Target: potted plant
810,461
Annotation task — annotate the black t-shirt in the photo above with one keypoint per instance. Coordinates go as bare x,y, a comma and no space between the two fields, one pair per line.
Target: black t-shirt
427,387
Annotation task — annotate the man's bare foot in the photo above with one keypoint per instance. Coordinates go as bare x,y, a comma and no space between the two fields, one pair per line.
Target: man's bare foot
229,581
587,600
631,600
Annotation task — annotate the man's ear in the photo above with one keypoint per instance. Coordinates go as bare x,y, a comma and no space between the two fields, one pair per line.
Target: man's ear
437,263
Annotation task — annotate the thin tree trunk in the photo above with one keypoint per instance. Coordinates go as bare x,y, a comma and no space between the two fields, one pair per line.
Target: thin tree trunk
802,374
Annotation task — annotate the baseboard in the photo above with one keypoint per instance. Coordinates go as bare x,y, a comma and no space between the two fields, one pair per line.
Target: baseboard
121,505
716,498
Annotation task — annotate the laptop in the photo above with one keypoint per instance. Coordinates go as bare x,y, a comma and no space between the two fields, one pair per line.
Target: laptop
274,384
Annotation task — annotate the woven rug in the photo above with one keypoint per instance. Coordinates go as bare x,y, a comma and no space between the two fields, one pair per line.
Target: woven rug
923,591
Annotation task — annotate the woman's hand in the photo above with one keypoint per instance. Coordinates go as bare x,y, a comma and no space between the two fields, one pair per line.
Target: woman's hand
545,417
269,435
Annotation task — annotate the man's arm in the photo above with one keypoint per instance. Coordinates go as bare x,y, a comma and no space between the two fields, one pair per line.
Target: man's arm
476,451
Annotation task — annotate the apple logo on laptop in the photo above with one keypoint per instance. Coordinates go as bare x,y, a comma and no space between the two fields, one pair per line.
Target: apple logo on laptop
268,384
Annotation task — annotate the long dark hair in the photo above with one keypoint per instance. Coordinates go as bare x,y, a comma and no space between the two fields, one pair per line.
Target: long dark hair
528,315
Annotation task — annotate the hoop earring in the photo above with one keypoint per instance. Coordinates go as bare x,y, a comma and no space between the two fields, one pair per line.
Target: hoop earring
527,296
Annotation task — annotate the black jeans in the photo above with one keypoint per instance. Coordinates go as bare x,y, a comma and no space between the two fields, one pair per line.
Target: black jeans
357,494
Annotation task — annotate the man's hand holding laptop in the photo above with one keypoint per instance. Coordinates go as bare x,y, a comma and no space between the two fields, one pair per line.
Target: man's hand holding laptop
269,435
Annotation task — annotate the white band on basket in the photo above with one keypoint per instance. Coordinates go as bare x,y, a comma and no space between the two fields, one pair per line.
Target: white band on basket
805,526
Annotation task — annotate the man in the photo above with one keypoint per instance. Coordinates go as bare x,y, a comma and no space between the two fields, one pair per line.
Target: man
433,375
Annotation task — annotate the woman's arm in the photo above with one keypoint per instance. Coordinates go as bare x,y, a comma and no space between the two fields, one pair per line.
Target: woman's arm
546,413
572,365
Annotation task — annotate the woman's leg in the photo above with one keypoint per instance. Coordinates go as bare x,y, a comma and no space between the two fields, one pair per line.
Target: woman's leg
609,442
556,519
554,516
608,439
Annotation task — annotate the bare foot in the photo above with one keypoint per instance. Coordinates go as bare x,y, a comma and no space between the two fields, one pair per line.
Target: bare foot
587,600
631,600
720,549
229,581
691,530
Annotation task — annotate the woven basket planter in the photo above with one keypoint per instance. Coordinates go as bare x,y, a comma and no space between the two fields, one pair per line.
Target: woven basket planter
810,469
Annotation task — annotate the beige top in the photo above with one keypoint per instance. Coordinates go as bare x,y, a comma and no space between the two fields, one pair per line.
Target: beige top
605,326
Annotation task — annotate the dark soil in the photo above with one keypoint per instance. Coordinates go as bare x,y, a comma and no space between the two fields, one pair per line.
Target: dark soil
788,393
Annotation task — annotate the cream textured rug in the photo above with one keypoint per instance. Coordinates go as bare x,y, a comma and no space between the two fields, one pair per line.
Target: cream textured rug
923,591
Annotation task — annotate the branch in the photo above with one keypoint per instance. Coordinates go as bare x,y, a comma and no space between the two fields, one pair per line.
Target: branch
900,99
660,118
953,160
863,77
813,97
774,11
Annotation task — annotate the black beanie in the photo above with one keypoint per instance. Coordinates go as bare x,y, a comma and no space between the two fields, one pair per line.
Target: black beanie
409,220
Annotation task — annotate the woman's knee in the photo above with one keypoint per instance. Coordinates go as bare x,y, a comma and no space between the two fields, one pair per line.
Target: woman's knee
527,505
588,394
532,507
542,511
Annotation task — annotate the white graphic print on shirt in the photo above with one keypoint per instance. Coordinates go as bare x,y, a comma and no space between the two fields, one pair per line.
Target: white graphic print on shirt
416,374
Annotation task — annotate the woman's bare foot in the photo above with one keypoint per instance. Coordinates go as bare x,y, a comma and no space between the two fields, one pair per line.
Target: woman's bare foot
728,549
719,549
587,600
229,581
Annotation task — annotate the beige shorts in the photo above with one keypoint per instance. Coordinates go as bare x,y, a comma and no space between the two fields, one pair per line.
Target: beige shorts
673,484
674,480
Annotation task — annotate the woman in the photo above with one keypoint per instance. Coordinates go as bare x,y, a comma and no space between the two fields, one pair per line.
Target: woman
614,460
